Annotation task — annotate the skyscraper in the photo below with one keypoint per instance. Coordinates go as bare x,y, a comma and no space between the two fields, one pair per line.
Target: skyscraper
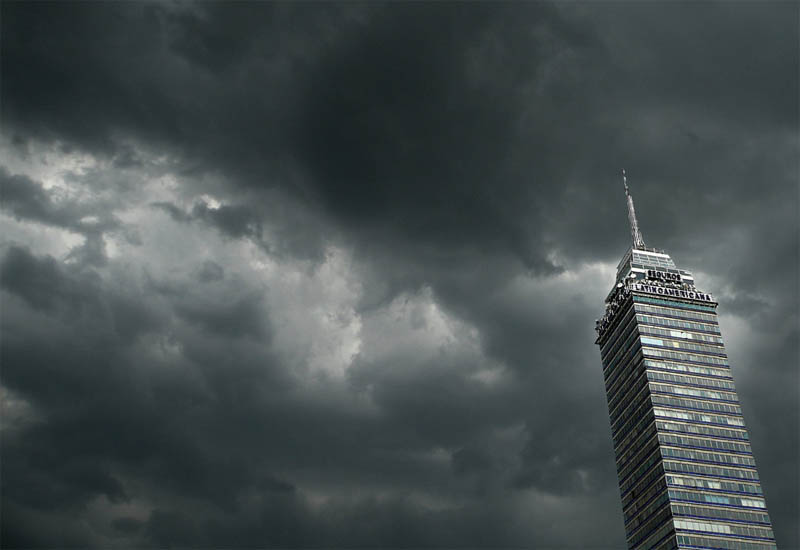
686,471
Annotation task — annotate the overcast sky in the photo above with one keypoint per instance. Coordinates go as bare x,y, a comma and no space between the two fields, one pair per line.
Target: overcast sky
292,275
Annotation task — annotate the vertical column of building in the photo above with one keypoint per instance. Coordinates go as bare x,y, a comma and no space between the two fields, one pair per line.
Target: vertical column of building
713,486
643,489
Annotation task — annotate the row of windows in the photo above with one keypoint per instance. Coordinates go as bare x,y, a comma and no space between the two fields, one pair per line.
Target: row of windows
707,456
683,345
699,417
632,373
676,323
637,429
673,304
626,433
691,311
724,529
691,380
667,544
714,485
652,493
727,500
694,404
690,357
643,412
655,538
619,355
626,352
620,334
644,456
704,443
633,408
647,531
631,383
704,394
711,471
654,477
641,432
719,513
672,333
645,515
625,325
640,471
654,498
613,322
653,259
717,499
646,441
616,317
694,369
713,543
703,526
643,471
702,430
629,400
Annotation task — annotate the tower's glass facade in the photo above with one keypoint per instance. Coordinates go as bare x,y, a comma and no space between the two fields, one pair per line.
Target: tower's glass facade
686,470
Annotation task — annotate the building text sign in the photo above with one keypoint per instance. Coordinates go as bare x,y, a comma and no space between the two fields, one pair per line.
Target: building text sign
663,276
675,292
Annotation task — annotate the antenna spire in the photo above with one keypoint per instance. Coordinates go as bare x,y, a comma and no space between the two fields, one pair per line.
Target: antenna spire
638,240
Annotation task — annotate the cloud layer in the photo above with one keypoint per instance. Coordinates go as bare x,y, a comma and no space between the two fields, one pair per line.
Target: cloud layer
282,275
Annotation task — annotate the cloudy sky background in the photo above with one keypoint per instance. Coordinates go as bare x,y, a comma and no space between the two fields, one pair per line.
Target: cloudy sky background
327,274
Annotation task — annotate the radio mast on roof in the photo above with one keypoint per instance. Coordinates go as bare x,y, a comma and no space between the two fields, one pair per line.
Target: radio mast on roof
638,240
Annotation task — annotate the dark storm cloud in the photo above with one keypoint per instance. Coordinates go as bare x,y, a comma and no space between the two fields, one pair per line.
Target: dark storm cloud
93,218
233,221
462,149
210,271
373,124
213,424
39,282
26,199
239,318
65,458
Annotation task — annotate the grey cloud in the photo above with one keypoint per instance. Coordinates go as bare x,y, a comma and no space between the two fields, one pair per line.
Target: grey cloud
242,317
91,252
94,218
127,525
467,461
21,528
233,221
72,293
210,271
174,212
461,150
283,231
179,439
27,199
40,282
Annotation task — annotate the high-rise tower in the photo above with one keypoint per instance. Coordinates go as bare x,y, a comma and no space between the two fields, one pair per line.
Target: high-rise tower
687,476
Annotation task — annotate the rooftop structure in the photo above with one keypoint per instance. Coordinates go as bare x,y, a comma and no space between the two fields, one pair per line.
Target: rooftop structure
687,475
